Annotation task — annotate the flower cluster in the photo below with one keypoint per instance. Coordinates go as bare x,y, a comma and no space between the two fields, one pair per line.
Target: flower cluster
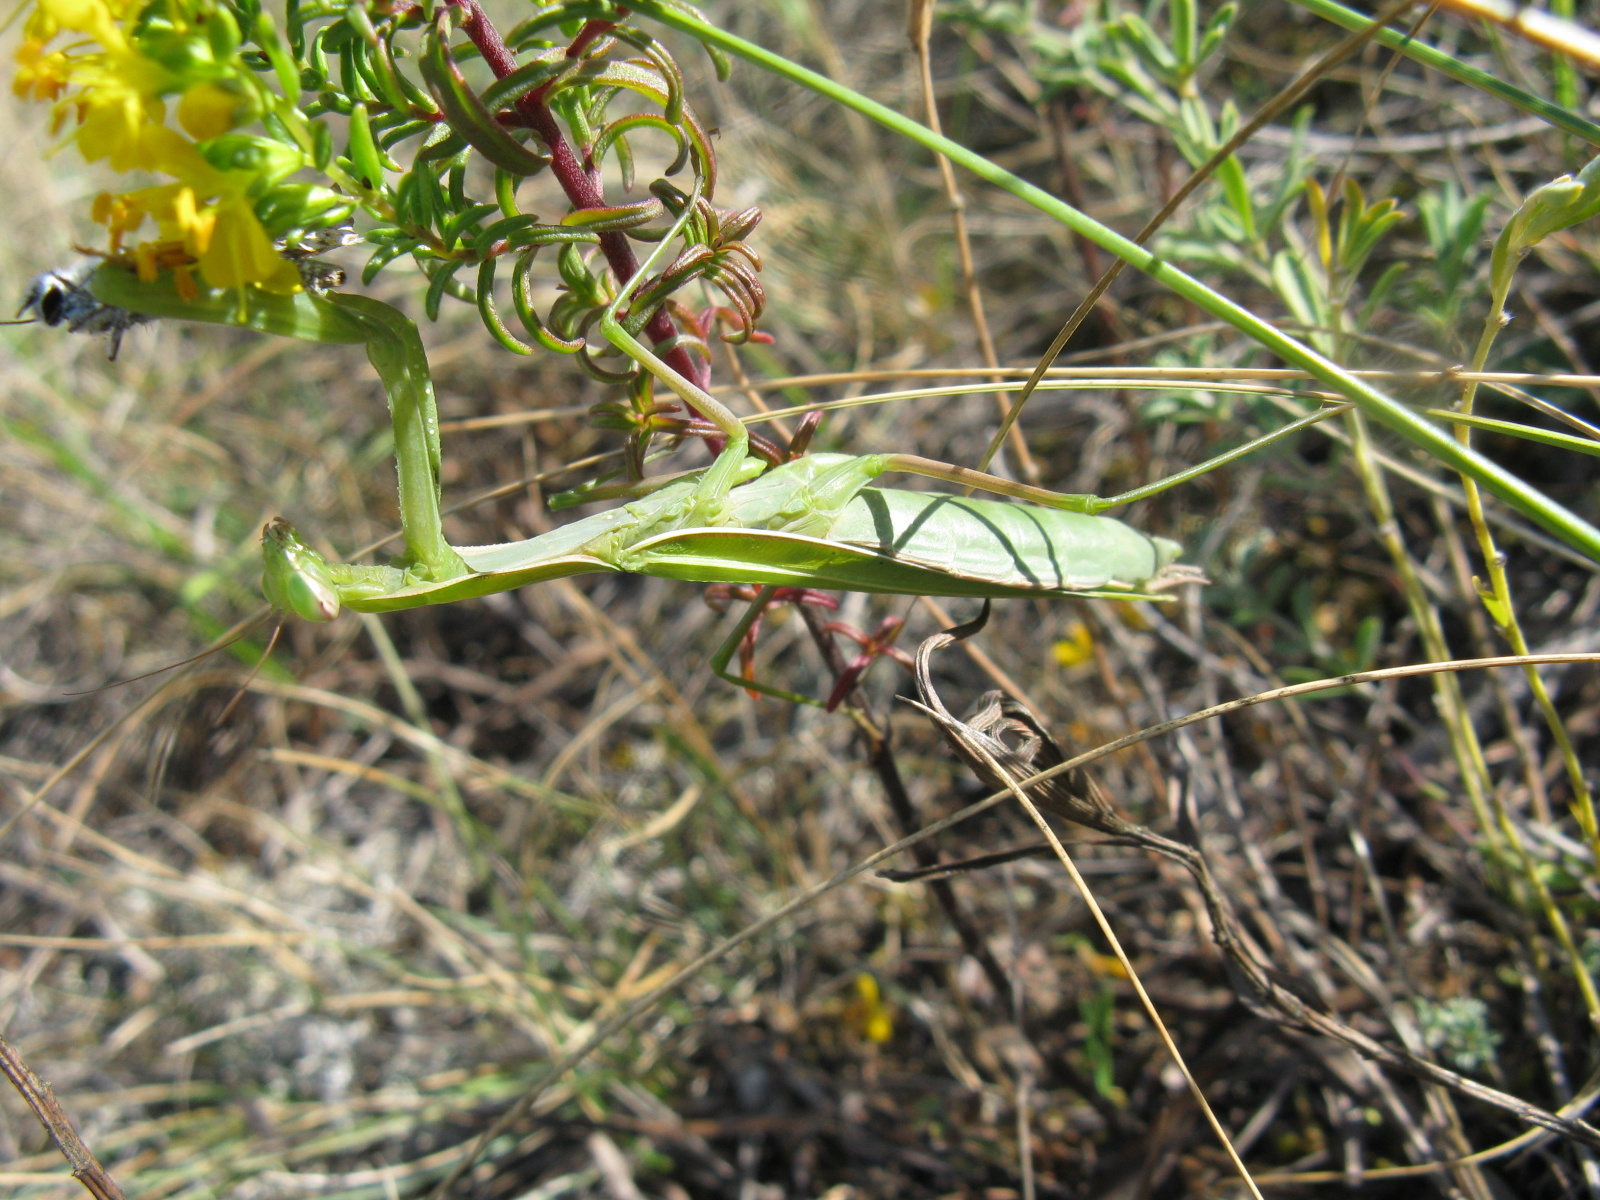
444,123
111,67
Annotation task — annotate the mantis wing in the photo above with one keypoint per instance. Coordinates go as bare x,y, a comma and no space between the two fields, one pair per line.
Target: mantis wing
1022,548
903,543
764,556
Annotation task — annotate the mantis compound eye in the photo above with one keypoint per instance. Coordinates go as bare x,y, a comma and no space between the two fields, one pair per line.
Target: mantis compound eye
294,577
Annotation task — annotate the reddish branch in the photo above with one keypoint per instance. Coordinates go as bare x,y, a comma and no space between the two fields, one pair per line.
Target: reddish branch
581,183
86,1168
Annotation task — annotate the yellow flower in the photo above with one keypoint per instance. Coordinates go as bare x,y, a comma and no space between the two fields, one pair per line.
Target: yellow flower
208,212
239,252
96,18
1078,646
117,89
40,75
205,219
869,1015
211,108
212,220
118,126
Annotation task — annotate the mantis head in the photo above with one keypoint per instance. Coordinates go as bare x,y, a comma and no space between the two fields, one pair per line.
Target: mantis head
295,577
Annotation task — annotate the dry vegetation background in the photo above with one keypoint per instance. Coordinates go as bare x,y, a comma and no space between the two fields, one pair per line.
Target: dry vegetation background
310,944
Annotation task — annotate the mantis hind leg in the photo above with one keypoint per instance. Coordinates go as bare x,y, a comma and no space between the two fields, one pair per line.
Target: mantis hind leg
913,464
730,646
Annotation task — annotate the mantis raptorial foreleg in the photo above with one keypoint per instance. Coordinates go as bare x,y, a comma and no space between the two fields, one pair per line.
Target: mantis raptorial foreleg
394,347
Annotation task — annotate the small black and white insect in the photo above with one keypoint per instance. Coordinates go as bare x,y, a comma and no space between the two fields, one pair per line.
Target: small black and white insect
60,298
301,249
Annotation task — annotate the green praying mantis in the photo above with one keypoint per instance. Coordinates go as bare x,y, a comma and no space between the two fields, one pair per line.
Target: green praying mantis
815,521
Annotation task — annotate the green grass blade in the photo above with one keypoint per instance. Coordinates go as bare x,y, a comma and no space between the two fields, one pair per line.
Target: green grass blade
1549,437
1445,64
1529,501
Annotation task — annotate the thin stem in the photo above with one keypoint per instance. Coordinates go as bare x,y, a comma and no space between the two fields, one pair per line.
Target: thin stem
1528,500
1552,914
726,470
913,464
1128,968
1503,612
1563,118
86,1168
730,646
1447,692
880,755
1533,25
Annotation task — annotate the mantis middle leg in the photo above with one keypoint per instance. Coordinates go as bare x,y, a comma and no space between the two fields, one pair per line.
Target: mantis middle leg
729,468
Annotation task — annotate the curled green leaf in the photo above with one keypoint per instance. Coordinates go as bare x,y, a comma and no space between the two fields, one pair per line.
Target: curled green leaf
617,128
466,113
522,299
364,152
532,74
614,216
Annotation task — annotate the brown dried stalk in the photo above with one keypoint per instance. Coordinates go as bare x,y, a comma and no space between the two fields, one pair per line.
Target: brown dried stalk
86,1168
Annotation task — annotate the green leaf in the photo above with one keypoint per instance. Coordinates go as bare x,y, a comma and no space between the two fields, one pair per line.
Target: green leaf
1230,175
530,75
614,216
467,115
1184,23
301,206
1300,291
363,150
266,158
1137,34
442,280
1216,30
1391,276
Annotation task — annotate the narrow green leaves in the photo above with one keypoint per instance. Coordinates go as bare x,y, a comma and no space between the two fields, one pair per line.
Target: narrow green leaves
466,112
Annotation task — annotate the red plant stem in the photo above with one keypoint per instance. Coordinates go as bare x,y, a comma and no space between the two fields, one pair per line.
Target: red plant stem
583,188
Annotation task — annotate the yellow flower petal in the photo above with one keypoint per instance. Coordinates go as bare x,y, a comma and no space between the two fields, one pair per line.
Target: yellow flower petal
40,75
867,988
240,252
144,257
1077,648
93,17
210,109
870,1016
